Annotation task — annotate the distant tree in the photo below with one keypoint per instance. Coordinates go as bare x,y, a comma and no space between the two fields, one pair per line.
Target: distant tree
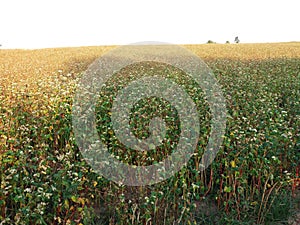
227,42
237,40
210,42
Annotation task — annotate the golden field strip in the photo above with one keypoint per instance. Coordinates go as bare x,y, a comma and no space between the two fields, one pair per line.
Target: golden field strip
22,66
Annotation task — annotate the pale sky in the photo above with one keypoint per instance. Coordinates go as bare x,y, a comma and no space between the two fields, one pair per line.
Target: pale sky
64,23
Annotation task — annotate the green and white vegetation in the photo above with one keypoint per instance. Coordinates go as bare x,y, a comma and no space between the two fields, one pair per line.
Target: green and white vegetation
44,179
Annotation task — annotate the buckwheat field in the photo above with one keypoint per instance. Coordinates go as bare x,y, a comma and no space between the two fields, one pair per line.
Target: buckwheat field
253,180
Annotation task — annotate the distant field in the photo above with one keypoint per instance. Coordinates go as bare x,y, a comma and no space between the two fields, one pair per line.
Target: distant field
19,65
44,179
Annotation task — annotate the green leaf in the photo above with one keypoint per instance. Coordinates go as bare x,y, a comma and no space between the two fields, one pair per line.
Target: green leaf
227,189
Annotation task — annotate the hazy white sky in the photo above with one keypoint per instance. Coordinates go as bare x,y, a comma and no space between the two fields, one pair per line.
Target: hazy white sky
57,23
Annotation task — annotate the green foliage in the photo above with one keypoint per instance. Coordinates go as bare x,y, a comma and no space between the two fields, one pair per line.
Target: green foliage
44,179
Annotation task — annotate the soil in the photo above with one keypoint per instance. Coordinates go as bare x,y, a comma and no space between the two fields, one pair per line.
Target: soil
295,219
